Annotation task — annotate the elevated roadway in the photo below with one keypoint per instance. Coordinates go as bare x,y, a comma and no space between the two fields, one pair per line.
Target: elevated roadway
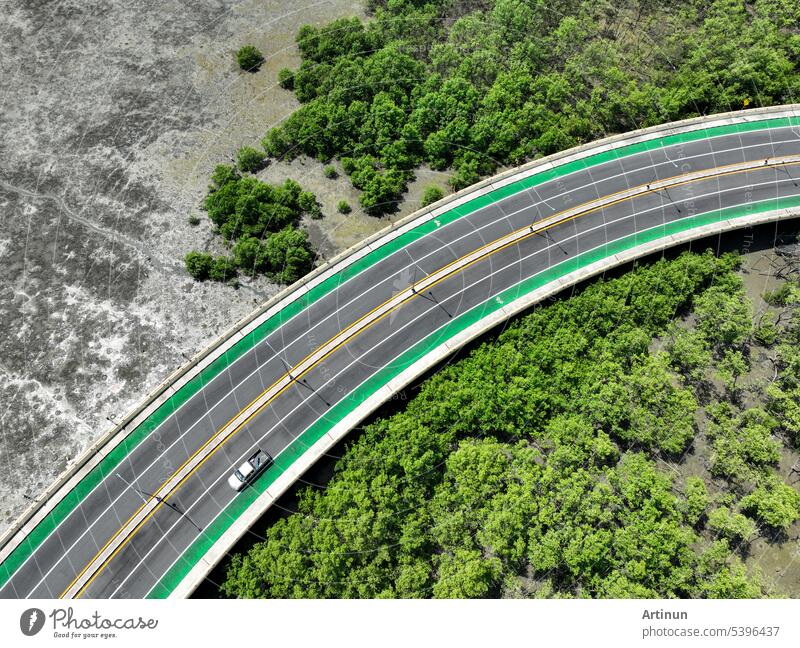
150,511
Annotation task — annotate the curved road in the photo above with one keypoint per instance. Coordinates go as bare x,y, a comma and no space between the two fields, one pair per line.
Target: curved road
147,517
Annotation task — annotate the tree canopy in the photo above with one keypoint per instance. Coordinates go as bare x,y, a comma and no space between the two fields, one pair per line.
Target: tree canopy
259,222
474,85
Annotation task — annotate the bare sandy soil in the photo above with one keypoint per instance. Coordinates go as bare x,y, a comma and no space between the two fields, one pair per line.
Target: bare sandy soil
112,116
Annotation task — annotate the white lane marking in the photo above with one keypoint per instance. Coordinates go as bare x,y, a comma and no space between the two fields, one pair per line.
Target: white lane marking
183,434
430,309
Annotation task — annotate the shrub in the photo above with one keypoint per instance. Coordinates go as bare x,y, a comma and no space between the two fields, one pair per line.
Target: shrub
696,499
249,207
688,352
198,264
249,159
308,203
775,504
381,190
249,58
724,316
250,256
194,219
732,526
431,194
786,294
222,175
289,254
349,165
330,172
286,79
766,333
742,446
732,366
223,269
344,207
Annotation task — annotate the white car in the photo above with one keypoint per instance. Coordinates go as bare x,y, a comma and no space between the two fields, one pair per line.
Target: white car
250,469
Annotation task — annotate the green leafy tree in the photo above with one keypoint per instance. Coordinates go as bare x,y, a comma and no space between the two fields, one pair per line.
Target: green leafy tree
249,159
725,318
742,446
250,256
199,264
466,574
645,407
289,254
382,191
766,333
773,503
221,203
249,58
696,499
784,403
223,269
787,294
431,194
222,175
733,526
688,352
307,201
246,212
732,366
286,79
723,576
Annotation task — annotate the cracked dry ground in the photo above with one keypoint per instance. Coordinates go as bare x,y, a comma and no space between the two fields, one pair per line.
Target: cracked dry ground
113,115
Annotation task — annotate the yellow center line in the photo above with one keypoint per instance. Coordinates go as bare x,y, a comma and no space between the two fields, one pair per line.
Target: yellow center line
515,238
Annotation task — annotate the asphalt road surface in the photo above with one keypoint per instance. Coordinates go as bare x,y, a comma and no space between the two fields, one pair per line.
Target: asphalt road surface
159,542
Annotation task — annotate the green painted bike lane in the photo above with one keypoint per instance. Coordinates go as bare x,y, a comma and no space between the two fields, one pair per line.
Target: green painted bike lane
114,458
